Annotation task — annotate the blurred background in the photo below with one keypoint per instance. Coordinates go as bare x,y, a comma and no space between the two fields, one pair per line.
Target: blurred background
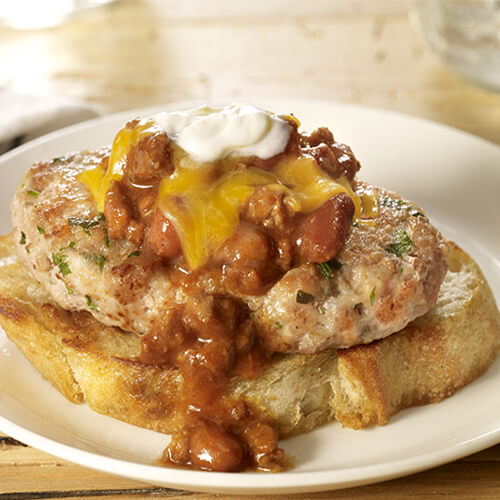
134,53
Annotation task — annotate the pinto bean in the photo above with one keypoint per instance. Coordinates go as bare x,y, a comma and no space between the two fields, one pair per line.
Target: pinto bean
261,438
248,244
177,451
262,443
145,203
162,237
212,448
249,260
135,232
322,234
117,211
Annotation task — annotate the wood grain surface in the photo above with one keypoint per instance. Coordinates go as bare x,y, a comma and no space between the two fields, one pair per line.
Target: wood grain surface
136,53
28,473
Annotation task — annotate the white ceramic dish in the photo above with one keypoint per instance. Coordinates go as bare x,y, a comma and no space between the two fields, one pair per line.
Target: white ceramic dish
454,176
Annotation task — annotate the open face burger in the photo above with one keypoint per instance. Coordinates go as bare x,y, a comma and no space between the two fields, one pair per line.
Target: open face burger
212,255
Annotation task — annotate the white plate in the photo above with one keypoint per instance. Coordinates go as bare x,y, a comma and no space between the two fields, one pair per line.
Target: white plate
454,176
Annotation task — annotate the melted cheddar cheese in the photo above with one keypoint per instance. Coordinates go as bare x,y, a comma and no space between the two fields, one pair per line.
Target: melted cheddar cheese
97,179
205,209
204,200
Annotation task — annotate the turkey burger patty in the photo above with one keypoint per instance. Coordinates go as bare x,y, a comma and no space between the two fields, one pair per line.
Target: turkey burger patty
335,272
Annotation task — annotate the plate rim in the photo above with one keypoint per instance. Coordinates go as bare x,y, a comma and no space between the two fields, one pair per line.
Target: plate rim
257,482
314,480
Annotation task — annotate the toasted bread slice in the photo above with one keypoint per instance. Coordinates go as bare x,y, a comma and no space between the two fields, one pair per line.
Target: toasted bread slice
429,360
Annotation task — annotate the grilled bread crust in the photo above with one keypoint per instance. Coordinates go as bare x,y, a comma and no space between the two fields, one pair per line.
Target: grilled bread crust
429,360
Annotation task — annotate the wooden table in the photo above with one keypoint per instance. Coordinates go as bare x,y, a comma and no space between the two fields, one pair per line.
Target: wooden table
139,53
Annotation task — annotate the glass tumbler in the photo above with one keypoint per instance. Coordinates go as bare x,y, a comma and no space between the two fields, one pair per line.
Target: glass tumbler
465,34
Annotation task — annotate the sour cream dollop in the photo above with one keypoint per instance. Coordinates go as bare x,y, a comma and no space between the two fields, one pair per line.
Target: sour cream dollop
210,133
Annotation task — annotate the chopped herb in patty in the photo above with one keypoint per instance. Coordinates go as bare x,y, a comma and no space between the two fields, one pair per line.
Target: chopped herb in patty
33,193
59,260
401,243
91,303
304,297
85,224
96,259
327,268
